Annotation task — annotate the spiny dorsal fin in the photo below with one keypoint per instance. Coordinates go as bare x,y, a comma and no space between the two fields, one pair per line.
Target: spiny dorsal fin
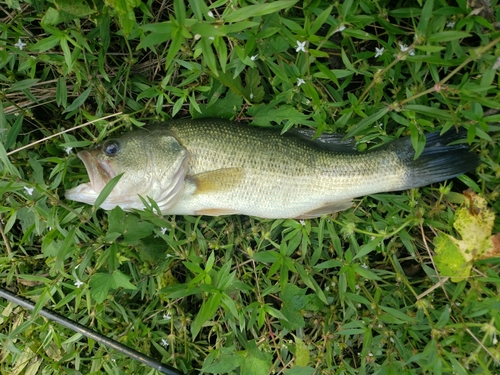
332,142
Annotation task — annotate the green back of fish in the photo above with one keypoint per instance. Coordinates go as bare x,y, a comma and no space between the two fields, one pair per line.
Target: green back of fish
215,143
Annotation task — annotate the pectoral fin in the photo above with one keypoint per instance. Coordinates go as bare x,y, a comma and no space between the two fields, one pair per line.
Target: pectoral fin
329,208
218,180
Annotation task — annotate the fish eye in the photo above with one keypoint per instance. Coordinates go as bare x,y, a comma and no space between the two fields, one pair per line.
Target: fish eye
111,148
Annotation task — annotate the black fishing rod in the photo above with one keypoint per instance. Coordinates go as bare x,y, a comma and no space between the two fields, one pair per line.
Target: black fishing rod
101,339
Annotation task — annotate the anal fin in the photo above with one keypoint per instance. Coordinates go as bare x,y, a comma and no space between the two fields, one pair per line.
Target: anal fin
328,208
216,212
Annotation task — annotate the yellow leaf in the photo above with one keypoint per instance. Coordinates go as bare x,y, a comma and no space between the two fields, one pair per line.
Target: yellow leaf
474,223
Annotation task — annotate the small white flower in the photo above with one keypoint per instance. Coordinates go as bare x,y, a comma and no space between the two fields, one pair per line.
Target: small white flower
364,266
302,222
300,81
164,342
20,44
404,48
78,283
167,316
327,289
211,38
301,46
379,51
340,28
254,57
68,150
210,14
496,65
29,190
163,230
450,24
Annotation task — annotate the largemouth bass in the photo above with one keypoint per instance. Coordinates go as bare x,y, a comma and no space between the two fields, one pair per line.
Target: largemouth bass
217,167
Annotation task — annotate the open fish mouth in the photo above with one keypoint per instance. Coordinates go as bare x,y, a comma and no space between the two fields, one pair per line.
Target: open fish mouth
99,172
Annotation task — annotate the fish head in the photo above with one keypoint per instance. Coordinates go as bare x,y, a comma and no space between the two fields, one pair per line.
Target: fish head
153,164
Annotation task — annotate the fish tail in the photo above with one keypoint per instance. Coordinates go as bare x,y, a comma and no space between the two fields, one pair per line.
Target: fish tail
438,161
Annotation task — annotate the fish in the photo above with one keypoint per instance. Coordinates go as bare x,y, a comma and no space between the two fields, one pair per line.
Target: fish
219,167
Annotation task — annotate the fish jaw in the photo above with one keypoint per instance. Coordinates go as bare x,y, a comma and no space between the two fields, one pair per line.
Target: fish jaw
100,173
82,193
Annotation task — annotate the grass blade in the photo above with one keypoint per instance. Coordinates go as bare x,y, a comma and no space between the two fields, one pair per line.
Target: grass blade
106,191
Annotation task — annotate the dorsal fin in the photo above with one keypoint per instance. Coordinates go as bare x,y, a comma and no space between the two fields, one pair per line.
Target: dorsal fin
332,142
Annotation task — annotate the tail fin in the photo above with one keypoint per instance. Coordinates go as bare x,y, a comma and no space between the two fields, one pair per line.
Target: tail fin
439,161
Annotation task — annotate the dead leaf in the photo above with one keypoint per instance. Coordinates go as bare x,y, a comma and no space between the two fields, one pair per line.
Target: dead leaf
474,223
482,8
494,251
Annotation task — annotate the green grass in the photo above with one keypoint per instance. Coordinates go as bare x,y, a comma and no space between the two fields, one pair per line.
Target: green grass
350,293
